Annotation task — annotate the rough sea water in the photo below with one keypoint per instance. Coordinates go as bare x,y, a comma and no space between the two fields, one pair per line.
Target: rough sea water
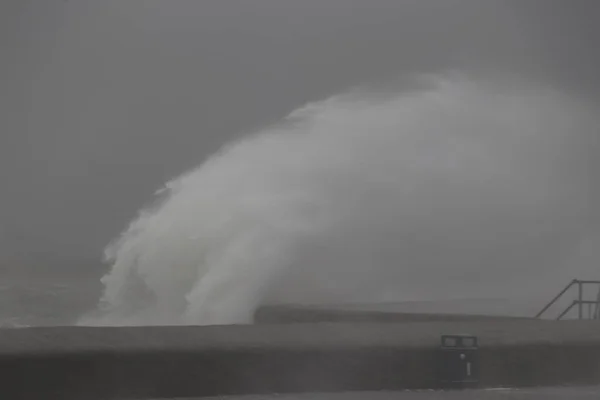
442,189
43,302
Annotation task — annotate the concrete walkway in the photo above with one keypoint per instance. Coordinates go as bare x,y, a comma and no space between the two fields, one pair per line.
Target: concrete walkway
584,393
75,363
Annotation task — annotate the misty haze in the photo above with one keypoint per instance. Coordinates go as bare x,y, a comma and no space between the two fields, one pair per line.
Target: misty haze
186,162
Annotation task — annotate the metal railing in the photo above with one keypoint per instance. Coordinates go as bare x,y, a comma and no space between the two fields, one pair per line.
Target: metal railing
579,302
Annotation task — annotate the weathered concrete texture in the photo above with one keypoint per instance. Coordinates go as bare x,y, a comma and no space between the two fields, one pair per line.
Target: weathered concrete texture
576,393
109,363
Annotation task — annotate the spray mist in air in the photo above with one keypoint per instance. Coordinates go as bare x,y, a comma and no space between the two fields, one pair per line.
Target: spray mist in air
451,189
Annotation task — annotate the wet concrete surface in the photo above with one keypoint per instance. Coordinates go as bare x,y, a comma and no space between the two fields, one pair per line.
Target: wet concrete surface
76,363
577,393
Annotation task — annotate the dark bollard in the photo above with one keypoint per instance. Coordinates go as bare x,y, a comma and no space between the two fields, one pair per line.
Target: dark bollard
458,366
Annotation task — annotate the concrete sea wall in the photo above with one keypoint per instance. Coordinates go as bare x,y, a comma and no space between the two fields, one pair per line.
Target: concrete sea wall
307,314
152,362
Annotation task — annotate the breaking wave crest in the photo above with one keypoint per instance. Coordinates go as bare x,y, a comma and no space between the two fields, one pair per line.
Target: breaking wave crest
448,188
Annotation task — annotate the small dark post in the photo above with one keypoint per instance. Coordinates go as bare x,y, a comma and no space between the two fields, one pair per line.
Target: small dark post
580,300
458,365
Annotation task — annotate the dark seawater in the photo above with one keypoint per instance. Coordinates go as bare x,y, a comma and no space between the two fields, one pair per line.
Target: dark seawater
44,303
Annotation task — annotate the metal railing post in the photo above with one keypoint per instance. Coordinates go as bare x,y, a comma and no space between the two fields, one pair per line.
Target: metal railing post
597,310
580,299
567,310
558,296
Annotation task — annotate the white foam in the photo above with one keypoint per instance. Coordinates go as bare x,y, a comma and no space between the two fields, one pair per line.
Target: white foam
453,190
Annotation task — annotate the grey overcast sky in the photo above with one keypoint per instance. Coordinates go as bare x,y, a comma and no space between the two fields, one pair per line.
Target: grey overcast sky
104,100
